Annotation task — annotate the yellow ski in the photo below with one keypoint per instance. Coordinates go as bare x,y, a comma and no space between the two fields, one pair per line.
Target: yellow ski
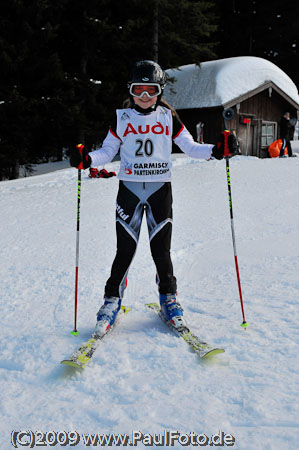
81,357
200,347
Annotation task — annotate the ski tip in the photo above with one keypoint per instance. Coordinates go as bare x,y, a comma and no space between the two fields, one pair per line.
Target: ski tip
75,332
152,305
244,324
215,351
69,363
125,309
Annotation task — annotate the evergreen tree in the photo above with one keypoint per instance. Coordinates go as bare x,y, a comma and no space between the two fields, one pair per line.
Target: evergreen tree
65,65
267,29
48,100
186,32
172,33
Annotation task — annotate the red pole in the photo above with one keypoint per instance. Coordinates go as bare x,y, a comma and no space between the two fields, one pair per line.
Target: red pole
75,331
227,155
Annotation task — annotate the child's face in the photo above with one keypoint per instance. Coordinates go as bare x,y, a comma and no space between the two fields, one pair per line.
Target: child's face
146,95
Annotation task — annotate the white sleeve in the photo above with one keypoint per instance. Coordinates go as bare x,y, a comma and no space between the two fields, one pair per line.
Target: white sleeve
187,144
106,153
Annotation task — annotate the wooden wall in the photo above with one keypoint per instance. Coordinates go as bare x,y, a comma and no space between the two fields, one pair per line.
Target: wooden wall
260,107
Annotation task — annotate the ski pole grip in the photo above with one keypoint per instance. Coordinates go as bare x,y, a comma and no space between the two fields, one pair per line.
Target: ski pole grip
80,147
226,152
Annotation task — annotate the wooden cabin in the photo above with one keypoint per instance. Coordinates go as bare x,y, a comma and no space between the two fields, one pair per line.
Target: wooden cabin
256,90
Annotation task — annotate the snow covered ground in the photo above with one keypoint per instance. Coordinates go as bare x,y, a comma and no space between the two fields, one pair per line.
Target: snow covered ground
143,379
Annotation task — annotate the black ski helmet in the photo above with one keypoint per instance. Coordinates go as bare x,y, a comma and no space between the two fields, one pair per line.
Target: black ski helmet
148,72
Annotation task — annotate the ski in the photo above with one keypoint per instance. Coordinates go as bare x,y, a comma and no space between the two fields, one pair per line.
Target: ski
200,347
81,357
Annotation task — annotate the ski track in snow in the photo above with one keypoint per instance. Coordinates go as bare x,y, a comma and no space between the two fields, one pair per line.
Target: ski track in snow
142,377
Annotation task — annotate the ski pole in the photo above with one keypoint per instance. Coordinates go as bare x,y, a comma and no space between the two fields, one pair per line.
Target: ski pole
227,156
75,332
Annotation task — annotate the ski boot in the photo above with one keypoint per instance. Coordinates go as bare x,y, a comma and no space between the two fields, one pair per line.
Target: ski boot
107,314
172,310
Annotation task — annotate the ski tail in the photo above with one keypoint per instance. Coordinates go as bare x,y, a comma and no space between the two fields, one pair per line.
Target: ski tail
81,357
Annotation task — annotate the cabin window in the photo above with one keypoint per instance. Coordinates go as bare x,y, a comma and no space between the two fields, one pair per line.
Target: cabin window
268,133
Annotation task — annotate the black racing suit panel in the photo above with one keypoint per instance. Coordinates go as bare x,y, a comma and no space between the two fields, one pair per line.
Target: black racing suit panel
155,198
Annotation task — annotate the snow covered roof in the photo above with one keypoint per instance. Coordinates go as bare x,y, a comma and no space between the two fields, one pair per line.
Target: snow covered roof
223,81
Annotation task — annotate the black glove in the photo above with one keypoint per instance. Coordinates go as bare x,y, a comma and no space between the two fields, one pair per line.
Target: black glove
226,146
217,151
79,157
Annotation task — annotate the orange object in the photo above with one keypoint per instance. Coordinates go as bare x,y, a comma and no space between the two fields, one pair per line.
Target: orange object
275,147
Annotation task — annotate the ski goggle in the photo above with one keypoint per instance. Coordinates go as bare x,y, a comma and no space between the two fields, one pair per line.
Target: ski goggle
150,89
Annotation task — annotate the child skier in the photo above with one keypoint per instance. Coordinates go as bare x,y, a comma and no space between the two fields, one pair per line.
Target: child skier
143,131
